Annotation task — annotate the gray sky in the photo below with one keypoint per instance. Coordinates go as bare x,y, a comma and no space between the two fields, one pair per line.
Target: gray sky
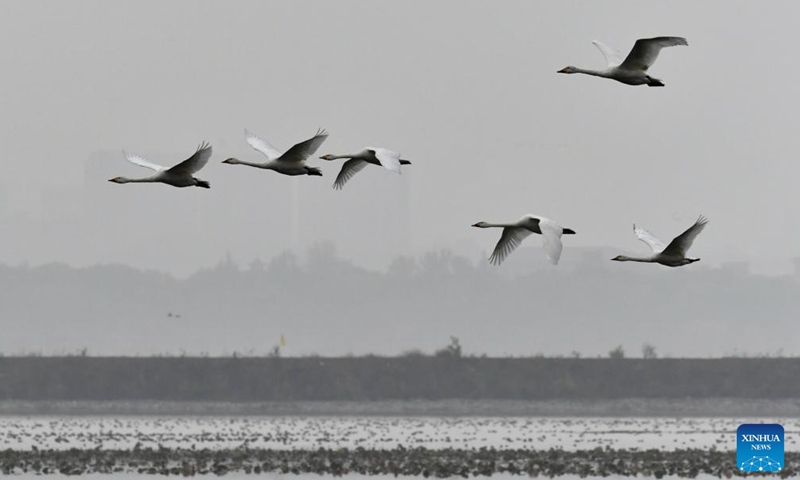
467,90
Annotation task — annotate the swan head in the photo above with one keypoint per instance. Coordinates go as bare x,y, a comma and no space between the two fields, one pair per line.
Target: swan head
119,180
231,161
568,69
620,258
480,225
327,156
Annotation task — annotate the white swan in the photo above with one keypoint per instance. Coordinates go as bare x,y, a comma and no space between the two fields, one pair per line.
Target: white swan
632,70
376,156
291,162
514,233
178,176
672,255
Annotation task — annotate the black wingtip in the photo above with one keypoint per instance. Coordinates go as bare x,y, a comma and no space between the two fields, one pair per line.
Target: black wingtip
569,231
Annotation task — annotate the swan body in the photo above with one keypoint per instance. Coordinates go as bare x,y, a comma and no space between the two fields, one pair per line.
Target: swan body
292,162
381,157
633,69
181,175
514,233
672,255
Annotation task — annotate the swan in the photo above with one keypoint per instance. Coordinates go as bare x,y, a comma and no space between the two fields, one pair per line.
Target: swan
632,70
292,162
514,233
178,176
376,156
672,255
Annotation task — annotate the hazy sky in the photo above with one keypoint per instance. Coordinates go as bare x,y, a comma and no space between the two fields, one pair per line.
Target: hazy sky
467,91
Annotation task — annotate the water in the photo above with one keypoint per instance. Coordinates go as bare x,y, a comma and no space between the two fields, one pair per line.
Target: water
22,433
232,446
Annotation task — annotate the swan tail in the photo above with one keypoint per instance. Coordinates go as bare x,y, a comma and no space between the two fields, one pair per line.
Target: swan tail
202,184
313,171
568,231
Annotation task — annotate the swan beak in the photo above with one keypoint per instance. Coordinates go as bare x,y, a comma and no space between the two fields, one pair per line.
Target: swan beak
563,70
477,224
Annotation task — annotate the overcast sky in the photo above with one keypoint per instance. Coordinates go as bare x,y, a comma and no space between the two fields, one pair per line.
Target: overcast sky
467,91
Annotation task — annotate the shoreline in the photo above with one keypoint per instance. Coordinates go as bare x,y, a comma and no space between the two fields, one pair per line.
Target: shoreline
633,407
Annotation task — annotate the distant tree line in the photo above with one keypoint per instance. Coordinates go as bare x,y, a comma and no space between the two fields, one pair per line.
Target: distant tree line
445,376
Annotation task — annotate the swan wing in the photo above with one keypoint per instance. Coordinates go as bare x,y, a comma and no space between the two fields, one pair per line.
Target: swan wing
509,241
194,163
681,244
261,145
137,160
613,57
644,235
349,168
389,160
551,239
303,150
645,51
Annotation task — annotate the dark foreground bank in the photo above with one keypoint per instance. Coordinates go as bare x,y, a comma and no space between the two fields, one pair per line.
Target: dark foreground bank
399,461
241,380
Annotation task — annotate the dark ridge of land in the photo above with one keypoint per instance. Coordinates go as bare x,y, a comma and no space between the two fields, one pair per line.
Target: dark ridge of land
444,463
359,379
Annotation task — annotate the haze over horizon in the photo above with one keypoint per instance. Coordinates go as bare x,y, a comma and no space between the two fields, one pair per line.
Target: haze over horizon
468,92
327,306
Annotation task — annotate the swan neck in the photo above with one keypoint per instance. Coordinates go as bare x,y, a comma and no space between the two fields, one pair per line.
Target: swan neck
347,155
236,161
498,225
625,258
596,73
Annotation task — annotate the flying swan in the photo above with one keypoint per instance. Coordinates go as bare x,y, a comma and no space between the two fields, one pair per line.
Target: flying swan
515,233
370,155
672,255
292,162
181,175
632,70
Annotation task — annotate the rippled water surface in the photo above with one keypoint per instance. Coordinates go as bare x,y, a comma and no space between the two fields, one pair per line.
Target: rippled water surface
375,432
